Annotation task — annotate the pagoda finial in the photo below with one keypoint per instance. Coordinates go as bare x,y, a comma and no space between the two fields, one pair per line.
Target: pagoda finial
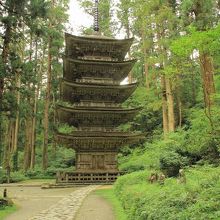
96,16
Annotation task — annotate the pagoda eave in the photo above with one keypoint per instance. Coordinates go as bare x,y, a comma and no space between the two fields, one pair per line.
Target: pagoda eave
88,116
96,45
104,141
75,92
77,69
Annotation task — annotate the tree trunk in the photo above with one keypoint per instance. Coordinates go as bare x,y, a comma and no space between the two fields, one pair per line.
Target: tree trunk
179,102
146,66
207,78
36,95
208,84
164,106
28,121
54,144
46,108
146,71
15,147
33,132
170,105
27,150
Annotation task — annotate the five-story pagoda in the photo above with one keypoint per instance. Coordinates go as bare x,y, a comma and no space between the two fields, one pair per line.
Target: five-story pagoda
94,67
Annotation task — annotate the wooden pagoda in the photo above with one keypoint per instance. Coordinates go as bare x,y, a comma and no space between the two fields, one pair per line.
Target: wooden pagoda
94,67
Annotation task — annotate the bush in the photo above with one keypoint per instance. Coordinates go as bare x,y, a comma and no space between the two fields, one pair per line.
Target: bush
17,177
14,177
197,199
171,162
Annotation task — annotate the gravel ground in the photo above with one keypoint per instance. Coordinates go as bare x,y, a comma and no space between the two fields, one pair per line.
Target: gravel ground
32,200
95,208
76,203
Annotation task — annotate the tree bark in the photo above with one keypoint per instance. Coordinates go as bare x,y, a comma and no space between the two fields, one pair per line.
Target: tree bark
27,149
36,95
164,106
146,67
146,71
207,78
170,105
179,102
46,108
18,97
208,84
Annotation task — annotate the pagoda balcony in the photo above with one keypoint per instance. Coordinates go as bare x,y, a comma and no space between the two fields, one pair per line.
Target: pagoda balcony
97,129
78,69
98,141
98,81
96,46
94,116
105,93
97,104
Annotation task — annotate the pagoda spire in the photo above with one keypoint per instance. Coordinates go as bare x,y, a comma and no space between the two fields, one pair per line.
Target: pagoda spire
96,16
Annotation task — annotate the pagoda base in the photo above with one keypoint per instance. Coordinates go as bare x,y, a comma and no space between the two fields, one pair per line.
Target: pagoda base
82,177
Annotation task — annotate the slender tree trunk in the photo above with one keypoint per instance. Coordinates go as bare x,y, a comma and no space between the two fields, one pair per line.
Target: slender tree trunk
28,121
15,147
164,106
33,132
27,150
146,66
46,108
54,124
179,102
170,105
36,95
155,82
146,71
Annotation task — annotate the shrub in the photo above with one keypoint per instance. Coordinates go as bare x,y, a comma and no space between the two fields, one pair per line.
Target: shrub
171,162
197,199
17,177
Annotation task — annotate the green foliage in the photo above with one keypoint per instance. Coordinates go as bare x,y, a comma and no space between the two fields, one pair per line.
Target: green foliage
7,211
149,118
65,129
207,41
171,162
173,200
14,177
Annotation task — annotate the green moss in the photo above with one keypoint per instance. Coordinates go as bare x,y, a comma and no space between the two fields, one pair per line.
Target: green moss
110,196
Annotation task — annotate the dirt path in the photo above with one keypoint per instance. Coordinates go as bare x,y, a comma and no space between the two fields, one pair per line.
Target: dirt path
32,200
58,204
95,208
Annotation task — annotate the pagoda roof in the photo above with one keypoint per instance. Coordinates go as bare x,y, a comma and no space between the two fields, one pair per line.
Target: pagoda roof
77,69
93,45
95,141
74,92
94,116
